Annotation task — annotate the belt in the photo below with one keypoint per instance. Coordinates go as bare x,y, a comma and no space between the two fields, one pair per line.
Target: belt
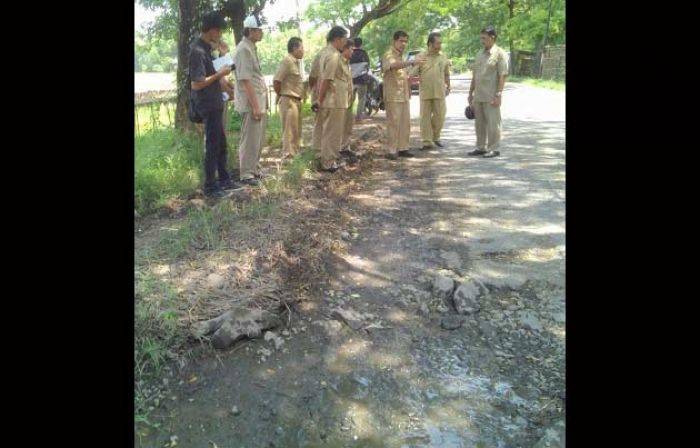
292,97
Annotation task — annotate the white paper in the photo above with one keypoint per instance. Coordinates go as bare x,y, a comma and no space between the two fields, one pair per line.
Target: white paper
223,60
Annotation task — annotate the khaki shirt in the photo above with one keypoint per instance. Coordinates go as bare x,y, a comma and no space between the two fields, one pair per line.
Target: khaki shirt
487,68
333,69
432,75
289,74
248,67
348,69
316,72
396,87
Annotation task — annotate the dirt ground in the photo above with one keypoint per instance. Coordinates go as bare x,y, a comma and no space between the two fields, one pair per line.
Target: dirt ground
374,356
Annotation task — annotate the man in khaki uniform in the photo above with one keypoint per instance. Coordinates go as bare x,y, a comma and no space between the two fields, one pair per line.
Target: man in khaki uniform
333,98
290,90
250,101
314,76
490,69
434,86
397,96
349,118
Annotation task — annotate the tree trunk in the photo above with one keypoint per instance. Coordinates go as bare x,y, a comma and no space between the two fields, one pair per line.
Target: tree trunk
236,11
511,6
189,16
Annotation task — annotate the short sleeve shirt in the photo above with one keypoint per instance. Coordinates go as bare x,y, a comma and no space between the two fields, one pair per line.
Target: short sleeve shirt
316,72
335,69
348,74
488,67
396,88
432,75
248,67
200,67
289,75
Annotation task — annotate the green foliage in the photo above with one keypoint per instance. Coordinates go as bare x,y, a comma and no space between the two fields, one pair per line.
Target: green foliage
545,83
154,53
459,21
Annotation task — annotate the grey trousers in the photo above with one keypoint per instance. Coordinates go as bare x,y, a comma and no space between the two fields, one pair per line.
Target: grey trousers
361,90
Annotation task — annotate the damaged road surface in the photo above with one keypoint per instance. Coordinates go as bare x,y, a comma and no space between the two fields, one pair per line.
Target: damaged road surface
443,325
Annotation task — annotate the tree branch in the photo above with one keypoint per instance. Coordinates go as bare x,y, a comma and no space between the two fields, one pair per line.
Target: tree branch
383,8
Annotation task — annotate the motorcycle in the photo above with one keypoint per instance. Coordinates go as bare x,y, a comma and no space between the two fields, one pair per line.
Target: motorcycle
374,101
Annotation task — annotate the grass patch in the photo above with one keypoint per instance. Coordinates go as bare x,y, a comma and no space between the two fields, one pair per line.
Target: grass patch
156,338
544,83
210,228
168,163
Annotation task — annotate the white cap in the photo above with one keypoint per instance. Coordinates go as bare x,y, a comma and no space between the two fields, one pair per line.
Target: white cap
251,22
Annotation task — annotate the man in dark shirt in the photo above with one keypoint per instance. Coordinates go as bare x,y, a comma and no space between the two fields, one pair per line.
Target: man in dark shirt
359,66
209,102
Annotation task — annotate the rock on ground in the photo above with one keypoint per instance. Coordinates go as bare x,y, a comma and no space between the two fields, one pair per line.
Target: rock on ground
272,336
330,327
235,325
465,298
350,317
443,287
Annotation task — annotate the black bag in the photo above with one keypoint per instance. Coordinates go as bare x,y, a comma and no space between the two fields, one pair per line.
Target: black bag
469,112
192,113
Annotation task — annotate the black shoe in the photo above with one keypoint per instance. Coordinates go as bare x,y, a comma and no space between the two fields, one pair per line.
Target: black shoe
426,148
406,153
331,169
348,154
392,156
215,193
492,153
253,182
439,143
260,176
477,152
228,185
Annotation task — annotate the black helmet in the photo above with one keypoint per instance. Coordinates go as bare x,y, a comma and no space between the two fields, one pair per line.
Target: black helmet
469,112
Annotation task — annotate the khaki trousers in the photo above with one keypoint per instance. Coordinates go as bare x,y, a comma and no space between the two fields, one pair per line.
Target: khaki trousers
432,118
318,130
252,142
333,127
290,113
488,125
347,129
398,119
